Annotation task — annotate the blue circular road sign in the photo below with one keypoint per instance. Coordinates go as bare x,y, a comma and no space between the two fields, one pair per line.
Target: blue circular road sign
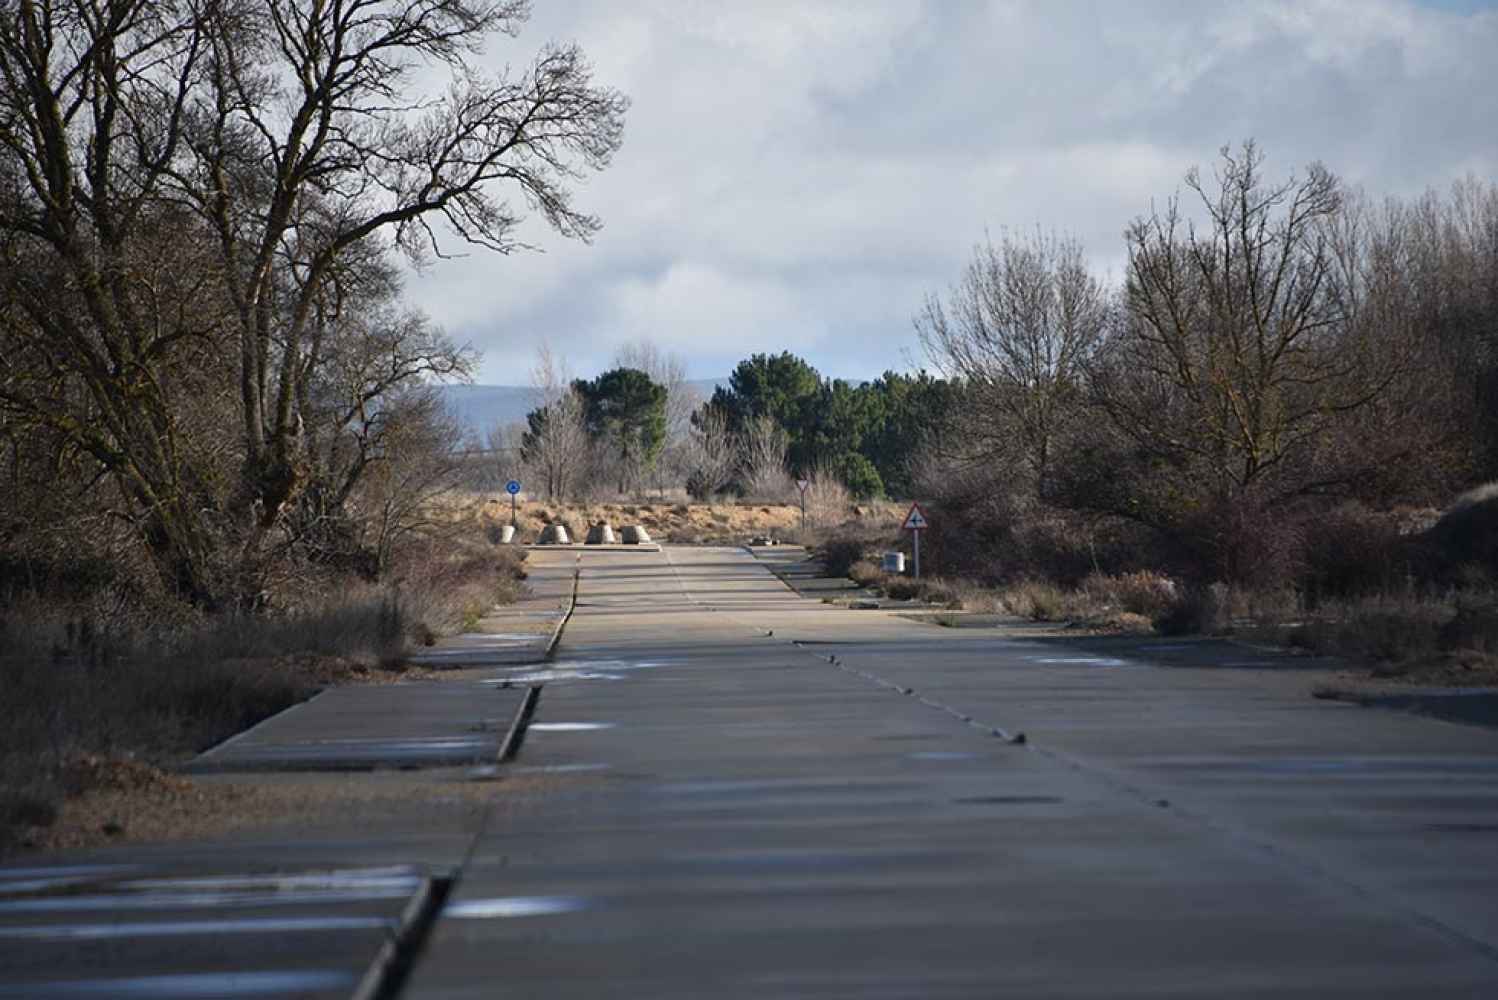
512,487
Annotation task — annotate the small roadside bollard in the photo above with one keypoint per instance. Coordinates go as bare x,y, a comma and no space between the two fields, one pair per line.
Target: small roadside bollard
554,534
894,562
601,533
506,534
634,534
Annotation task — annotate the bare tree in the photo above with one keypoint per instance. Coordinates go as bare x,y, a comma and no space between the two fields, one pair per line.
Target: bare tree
827,497
710,454
276,141
1238,354
556,448
421,459
551,375
1018,329
670,372
504,443
762,472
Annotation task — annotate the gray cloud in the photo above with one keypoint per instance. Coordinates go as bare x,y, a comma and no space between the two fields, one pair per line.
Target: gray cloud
799,175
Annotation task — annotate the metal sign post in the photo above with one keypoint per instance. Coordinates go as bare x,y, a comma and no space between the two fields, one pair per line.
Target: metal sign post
512,488
916,522
803,485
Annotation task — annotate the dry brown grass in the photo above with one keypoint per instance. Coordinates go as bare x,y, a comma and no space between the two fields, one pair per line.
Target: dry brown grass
1438,639
720,523
866,573
94,680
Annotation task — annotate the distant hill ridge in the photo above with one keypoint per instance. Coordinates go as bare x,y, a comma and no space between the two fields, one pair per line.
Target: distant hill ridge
483,407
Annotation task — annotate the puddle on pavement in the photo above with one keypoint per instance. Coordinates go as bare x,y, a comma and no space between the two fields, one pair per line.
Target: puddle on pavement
581,670
1081,661
568,727
185,928
549,676
15,881
385,877
172,987
193,900
507,907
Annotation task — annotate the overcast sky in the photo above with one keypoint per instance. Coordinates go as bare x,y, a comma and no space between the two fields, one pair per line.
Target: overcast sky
798,176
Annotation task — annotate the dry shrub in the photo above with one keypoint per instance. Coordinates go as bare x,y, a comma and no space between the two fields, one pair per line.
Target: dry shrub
840,552
72,690
901,588
1351,552
865,573
1243,543
1439,637
1035,599
1140,593
1198,611
1462,547
447,585
1474,628
828,501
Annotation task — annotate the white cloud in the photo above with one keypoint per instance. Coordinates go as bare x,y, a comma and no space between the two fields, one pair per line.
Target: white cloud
798,175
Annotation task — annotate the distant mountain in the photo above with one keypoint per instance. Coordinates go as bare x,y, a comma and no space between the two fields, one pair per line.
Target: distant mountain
482,407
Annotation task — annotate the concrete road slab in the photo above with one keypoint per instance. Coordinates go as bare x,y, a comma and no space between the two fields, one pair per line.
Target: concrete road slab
728,790
136,930
403,726
796,801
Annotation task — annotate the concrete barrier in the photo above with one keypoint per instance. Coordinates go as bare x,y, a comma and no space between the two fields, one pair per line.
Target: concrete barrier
601,534
554,534
634,534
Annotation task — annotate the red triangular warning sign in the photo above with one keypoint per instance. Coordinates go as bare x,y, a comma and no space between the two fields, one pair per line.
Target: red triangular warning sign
916,520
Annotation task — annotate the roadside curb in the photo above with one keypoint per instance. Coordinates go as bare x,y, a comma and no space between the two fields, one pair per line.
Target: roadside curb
556,633
199,765
389,964
510,745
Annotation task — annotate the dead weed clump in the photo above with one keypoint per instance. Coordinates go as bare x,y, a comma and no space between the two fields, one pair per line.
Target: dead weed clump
839,554
448,586
1036,600
1201,610
1142,593
1435,638
866,573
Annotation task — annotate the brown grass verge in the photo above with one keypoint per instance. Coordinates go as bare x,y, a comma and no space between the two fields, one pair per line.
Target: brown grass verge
722,523
90,697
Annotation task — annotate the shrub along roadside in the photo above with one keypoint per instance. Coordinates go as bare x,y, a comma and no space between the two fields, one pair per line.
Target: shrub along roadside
1438,634
80,686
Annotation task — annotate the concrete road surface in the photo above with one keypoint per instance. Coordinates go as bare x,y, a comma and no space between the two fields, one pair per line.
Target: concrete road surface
749,794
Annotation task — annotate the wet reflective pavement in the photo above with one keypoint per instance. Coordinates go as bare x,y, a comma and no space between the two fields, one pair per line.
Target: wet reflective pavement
799,801
415,725
148,931
740,792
